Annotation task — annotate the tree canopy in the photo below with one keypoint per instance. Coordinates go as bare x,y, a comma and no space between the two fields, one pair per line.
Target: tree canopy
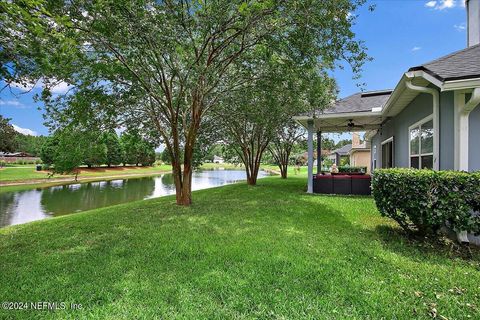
7,135
163,66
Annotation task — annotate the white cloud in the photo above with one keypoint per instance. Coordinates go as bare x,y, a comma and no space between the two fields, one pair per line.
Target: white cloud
60,88
13,103
460,27
24,130
444,4
416,48
25,87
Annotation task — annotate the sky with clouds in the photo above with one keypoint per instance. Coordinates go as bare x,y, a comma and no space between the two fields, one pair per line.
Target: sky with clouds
399,34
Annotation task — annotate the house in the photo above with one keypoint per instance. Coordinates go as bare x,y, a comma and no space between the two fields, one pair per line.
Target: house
360,155
357,153
340,154
17,156
431,118
302,158
217,159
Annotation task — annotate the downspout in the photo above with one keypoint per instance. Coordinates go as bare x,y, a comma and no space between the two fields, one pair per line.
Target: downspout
436,118
462,236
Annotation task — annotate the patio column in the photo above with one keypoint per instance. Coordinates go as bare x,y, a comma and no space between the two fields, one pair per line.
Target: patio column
319,152
310,156
461,133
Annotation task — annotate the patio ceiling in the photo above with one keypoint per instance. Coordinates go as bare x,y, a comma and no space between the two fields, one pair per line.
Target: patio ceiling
362,121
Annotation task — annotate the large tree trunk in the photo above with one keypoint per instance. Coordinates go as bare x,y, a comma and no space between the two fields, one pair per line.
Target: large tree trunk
252,156
252,169
283,170
183,180
281,154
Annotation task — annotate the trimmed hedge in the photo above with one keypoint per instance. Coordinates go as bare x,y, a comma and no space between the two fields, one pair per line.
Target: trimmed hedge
425,200
349,169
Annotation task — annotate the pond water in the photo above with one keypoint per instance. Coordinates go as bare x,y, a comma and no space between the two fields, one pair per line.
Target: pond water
35,204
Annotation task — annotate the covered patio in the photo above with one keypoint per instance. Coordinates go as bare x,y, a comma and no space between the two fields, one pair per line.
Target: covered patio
360,112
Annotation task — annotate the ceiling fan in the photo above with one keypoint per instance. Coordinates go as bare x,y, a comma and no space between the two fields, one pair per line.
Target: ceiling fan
352,125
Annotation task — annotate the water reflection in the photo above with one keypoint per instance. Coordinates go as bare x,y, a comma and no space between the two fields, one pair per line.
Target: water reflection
29,205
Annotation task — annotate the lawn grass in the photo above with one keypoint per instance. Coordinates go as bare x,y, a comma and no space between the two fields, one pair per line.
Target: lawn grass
269,251
28,173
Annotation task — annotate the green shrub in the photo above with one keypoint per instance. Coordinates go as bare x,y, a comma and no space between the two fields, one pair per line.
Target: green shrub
426,200
349,169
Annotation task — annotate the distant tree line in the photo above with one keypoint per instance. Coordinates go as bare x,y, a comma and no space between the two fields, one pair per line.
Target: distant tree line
67,149
13,141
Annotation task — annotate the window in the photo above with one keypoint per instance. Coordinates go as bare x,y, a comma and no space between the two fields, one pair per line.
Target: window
421,144
387,153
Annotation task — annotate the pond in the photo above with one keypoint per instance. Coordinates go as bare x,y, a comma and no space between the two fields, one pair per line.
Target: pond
18,207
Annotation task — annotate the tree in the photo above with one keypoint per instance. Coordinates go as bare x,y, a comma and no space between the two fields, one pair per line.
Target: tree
145,153
129,142
94,149
165,157
162,66
7,135
137,150
95,153
327,143
114,154
29,144
283,143
69,152
257,114
48,150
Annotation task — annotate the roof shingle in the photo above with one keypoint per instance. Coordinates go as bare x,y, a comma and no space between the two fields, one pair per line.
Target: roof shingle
360,102
463,64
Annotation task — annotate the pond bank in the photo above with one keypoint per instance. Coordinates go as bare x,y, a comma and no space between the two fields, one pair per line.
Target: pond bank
67,180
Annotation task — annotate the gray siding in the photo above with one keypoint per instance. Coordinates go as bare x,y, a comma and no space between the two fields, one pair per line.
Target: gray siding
473,141
418,109
447,135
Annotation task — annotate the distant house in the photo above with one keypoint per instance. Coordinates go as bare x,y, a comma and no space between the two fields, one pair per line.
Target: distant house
337,154
302,158
217,159
14,156
357,153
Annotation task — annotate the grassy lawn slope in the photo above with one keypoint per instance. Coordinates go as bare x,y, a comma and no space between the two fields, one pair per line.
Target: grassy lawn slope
269,251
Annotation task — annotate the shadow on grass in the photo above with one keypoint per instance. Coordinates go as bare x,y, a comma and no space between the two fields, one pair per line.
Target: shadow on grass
398,240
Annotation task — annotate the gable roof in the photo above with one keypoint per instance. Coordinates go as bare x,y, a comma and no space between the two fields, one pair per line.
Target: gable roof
359,102
343,151
463,64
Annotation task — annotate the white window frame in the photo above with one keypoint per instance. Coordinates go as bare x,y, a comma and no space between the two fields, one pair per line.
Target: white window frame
393,150
418,124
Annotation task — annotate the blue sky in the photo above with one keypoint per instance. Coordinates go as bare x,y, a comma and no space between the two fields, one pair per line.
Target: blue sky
399,34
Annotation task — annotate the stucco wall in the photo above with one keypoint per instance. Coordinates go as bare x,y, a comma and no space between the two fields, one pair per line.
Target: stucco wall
360,159
418,109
